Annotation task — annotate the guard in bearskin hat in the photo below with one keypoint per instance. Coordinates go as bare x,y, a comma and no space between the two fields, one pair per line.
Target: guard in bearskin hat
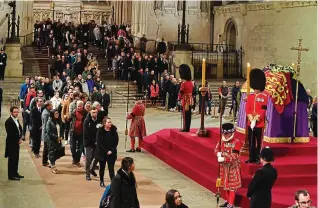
260,188
185,96
256,106
228,155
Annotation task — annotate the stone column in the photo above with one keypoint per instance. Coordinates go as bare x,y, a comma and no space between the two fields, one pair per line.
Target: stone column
135,17
25,11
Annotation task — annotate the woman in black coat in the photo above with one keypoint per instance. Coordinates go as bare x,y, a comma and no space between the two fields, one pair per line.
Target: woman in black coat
53,137
173,200
106,149
123,186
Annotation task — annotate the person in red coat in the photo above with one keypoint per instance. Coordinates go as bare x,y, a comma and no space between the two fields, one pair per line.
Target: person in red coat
228,154
256,106
185,96
137,126
154,93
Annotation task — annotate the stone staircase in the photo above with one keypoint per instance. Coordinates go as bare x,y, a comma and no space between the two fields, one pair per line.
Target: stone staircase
34,61
118,92
11,89
102,61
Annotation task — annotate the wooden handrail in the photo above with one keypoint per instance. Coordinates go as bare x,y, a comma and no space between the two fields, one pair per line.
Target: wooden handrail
22,36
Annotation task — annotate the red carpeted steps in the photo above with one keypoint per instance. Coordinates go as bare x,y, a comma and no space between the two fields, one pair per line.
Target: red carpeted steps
194,157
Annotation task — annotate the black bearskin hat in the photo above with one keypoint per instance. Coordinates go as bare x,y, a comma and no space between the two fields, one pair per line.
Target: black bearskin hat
185,72
267,154
257,79
227,128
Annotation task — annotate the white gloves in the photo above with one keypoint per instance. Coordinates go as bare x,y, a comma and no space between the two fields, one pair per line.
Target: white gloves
253,123
98,126
219,154
221,159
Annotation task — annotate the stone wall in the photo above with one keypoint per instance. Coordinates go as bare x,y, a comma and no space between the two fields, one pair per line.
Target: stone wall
268,30
163,21
4,9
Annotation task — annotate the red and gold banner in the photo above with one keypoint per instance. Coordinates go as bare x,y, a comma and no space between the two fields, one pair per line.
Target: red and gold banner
278,86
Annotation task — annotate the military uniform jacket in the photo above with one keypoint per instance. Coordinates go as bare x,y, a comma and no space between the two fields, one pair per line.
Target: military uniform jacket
185,94
256,105
230,169
3,59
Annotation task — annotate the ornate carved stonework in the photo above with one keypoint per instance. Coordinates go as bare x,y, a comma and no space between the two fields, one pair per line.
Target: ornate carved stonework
70,11
277,5
170,7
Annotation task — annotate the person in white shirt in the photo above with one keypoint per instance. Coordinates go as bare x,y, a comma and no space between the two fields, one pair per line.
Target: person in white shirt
56,100
57,84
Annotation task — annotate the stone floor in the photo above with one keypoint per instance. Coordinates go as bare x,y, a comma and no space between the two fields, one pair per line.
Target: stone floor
69,189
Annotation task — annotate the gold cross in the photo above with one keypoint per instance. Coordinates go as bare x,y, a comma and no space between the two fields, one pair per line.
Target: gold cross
299,49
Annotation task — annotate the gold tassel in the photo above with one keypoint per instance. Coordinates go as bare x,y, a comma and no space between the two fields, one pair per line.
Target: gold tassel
126,131
218,183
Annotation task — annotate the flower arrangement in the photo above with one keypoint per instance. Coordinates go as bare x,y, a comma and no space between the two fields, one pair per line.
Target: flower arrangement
279,68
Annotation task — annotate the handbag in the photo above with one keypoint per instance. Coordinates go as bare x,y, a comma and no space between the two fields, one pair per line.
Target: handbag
60,151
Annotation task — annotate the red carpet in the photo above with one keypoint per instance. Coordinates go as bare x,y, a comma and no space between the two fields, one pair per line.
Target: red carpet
194,157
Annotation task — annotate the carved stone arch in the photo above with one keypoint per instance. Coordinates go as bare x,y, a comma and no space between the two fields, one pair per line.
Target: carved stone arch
230,32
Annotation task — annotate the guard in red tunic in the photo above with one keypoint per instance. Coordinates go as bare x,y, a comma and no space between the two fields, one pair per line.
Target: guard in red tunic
137,126
228,153
185,96
256,106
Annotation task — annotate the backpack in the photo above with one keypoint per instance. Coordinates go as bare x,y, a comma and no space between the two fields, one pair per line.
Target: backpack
105,201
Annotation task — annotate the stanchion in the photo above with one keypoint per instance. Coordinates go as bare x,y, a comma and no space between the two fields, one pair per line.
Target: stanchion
202,132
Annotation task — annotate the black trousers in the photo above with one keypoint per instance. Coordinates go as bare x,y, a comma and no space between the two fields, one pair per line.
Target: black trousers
0,108
13,162
102,166
45,153
36,141
76,147
314,127
66,130
255,142
2,69
153,100
186,119
26,122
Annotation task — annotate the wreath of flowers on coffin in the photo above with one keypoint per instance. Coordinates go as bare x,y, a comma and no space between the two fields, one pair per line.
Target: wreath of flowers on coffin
280,68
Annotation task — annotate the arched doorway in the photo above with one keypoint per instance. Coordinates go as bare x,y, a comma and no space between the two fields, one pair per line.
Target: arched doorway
230,31
231,56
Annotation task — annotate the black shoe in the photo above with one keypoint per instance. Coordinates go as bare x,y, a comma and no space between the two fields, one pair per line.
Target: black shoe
183,130
131,150
93,173
224,205
46,164
102,184
88,177
138,149
14,179
19,176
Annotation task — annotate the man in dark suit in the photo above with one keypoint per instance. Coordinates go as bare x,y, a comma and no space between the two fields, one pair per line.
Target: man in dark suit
104,100
3,63
36,132
13,141
260,188
1,92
